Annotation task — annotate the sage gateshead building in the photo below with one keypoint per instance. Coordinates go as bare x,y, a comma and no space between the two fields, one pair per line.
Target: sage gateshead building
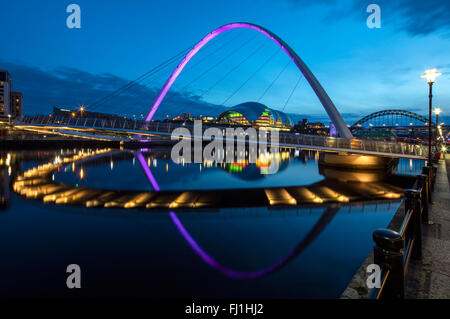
256,115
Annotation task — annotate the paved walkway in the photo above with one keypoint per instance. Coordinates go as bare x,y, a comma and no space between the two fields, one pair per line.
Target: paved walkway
430,277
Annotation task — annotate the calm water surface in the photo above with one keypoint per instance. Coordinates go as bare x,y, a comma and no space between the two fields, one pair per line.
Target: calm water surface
238,252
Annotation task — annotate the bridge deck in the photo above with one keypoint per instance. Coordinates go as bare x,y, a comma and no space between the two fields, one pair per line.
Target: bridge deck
136,128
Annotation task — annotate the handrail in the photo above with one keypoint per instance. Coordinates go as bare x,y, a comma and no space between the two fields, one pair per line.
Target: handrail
301,139
394,249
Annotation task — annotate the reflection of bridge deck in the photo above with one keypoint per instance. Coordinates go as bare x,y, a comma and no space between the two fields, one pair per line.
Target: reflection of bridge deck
38,183
91,128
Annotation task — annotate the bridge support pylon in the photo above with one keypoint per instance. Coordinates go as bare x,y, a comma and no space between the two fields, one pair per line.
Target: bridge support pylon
367,168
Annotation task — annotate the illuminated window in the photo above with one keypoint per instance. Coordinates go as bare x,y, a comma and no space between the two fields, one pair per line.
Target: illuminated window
233,117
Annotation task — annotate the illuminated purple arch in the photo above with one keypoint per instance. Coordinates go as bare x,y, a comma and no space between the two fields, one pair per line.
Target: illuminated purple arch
331,110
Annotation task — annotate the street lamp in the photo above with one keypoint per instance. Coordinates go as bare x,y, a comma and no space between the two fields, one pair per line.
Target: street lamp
431,76
437,111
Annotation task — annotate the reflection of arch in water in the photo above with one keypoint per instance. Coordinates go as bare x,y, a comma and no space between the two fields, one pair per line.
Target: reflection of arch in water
321,224
38,175
315,231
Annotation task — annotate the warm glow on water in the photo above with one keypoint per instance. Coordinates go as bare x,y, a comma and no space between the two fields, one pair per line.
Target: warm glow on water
139,247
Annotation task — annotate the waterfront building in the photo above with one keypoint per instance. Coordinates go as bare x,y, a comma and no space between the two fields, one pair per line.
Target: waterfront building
16,104
5,94
313,128
256,115
183,117
187,117
81,112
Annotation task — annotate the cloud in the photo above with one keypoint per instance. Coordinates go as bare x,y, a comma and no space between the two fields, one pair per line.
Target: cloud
415,17
70,88
418,17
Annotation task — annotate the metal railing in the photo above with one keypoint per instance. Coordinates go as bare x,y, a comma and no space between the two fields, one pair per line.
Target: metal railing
394,249
285,138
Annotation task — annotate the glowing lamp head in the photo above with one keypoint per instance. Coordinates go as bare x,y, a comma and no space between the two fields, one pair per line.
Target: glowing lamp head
437,111
431,75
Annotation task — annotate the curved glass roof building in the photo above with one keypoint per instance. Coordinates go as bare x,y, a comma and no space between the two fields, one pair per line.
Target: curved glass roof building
255,114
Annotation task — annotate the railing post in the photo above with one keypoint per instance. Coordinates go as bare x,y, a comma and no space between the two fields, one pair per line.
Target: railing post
427,170
432,173
412,202
389,256
424,184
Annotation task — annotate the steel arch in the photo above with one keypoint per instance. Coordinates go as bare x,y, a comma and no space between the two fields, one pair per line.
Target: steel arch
325,100
391,112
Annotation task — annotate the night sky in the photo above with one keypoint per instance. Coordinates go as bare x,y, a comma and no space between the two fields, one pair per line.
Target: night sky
363,70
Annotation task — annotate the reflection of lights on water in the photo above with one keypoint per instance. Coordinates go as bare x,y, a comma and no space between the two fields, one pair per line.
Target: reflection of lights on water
318,200
81,173
155,162
392,195
9,170
112,164
134,160
167,167
73,167
279,197
410,165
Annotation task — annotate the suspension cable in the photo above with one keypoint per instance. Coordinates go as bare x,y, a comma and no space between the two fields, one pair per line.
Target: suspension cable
192,66
131,83
292,92
276,78
251,76
233,69
134,89
217,64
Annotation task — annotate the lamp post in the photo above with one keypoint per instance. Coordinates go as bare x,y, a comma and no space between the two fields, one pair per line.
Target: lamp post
437,111
431,76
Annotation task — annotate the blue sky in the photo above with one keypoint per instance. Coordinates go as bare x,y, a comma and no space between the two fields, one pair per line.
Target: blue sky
362,69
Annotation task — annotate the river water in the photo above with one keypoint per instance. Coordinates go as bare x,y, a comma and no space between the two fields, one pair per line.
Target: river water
309,251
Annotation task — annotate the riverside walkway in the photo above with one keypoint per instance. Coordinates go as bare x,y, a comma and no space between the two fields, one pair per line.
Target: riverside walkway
430,277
